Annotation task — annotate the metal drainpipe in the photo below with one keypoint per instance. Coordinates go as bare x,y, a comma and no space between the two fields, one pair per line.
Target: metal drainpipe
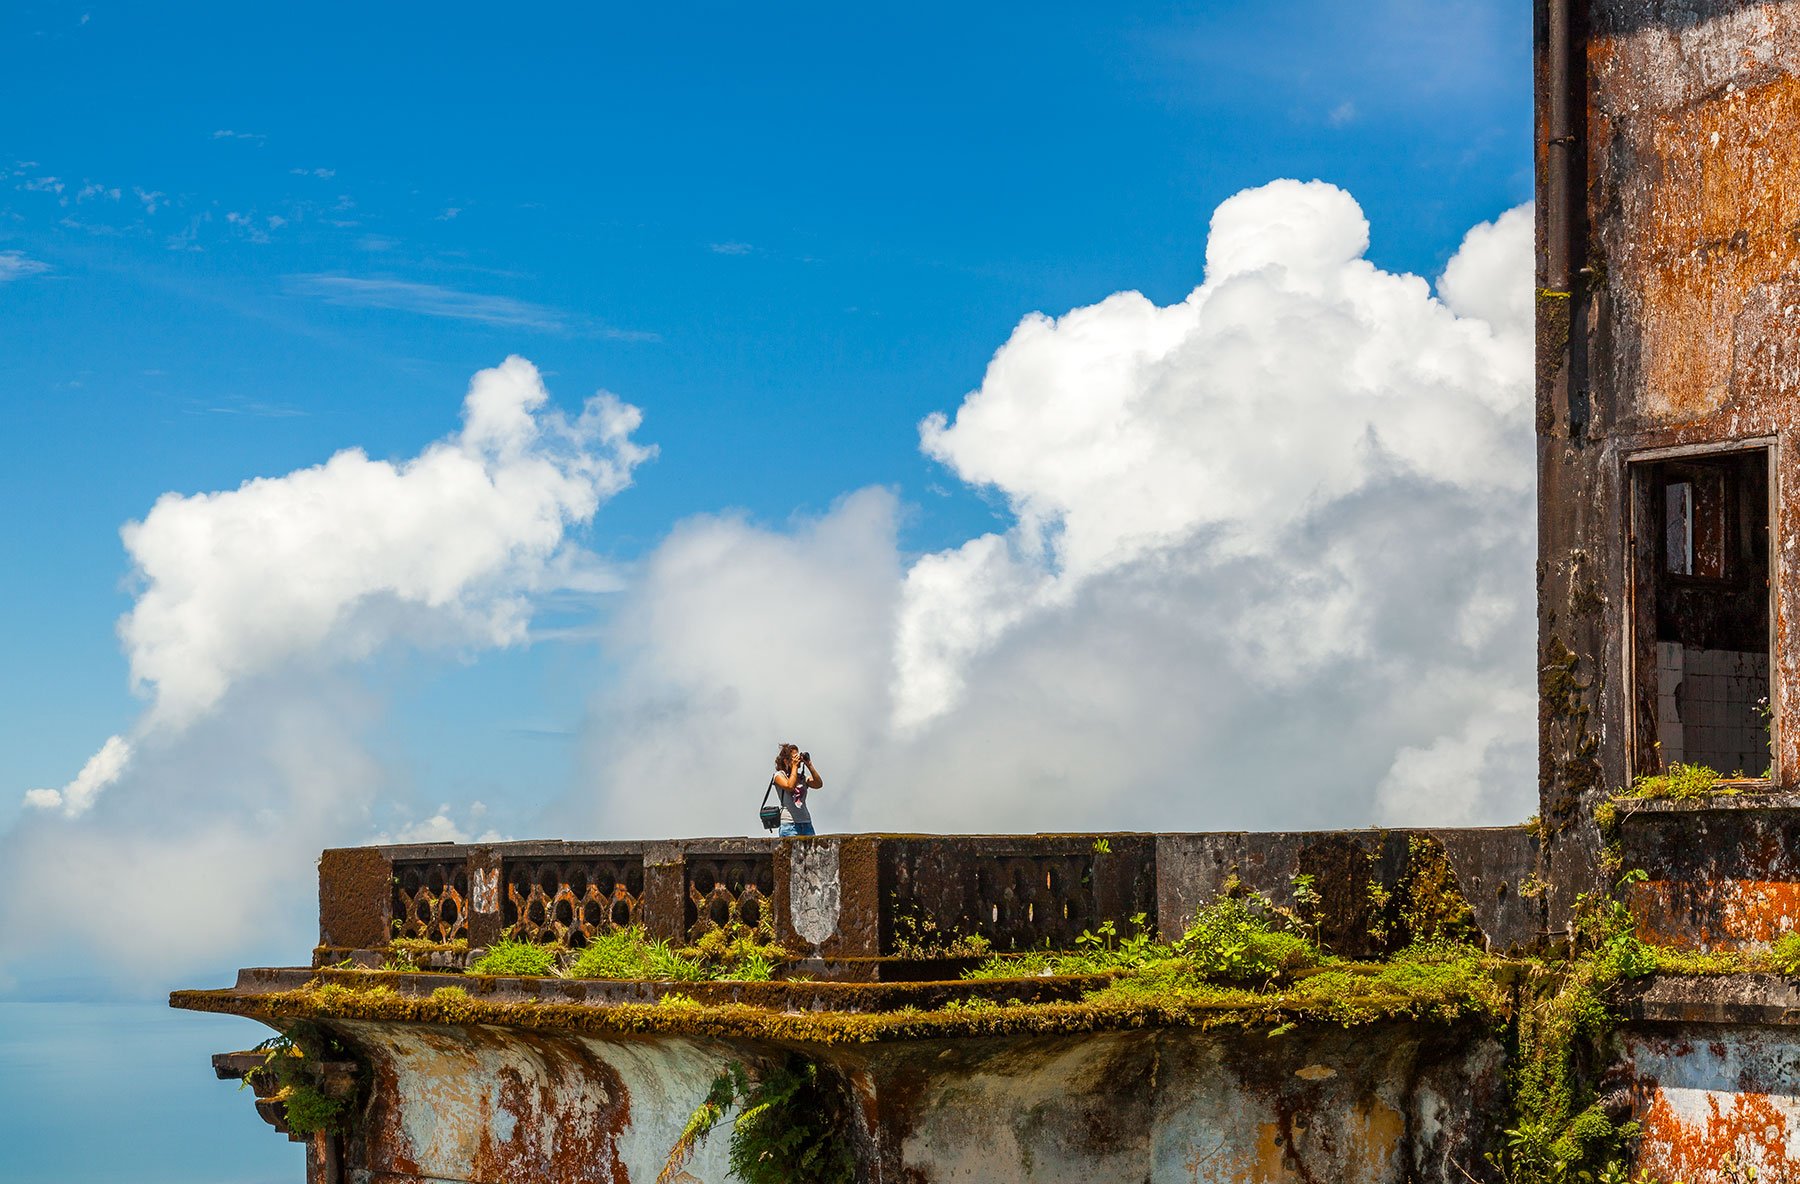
1559,152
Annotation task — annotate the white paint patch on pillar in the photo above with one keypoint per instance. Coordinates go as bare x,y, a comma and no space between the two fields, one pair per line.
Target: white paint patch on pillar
484,890
813,892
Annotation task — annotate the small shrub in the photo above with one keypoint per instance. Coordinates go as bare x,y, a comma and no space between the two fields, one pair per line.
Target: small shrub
1025,966
918,936
1103,948
1677,781
287,1063
622,954
1673,961
309,1111
1784,955
1099,951
1235,940
792,1127
736,952
519,958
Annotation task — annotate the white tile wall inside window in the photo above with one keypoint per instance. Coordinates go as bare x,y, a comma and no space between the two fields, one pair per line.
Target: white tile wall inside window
1707,708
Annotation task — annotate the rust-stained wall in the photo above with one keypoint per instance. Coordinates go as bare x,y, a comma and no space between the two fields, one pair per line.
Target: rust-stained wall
1722,874
1709,1095
1389,1103
1668,153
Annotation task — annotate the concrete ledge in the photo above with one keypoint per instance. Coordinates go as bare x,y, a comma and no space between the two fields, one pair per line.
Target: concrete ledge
1750,798
1752,999
774,996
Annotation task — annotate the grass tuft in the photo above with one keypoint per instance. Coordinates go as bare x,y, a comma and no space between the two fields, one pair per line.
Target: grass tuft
516,958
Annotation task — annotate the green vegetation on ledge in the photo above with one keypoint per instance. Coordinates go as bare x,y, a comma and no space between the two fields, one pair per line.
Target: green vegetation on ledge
1678,781
288,1062
508,957
738,953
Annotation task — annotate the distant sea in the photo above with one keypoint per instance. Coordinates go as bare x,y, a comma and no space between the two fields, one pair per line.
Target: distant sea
124,1093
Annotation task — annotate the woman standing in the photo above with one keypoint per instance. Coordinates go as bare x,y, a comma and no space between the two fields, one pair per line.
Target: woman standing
794,776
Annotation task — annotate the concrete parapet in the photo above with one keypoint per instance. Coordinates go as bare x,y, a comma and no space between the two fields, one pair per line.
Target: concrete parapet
849,903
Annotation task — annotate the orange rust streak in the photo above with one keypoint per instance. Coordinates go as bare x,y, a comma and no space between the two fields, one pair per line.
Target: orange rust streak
1707,186
1753,1130
1724,915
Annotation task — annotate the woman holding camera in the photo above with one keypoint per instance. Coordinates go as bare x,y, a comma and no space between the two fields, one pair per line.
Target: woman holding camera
794,775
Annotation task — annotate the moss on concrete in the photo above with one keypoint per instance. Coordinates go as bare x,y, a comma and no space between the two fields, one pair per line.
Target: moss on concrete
1348,994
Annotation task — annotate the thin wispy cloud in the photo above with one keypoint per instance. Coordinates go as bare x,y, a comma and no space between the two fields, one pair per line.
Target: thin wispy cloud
100,229
431,300
322,174
225,133
16,265
434,300
251,408
730,248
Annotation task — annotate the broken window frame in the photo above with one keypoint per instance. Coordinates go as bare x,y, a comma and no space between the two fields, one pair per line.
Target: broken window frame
1646,557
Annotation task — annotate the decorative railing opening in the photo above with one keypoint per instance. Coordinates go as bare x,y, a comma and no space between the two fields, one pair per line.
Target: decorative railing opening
571,901
1016,896
431,900
722,890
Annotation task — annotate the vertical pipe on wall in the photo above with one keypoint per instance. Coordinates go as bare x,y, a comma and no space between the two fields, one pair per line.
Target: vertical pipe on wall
1559,150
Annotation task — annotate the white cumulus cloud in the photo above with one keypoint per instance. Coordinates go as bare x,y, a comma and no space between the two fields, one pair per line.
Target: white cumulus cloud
1297,376
444,549
329,564
1270,566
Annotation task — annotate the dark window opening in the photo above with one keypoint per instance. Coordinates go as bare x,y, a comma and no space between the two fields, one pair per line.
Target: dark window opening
1702,594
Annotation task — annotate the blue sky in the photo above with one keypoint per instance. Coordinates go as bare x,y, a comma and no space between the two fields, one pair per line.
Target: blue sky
234,241
801,229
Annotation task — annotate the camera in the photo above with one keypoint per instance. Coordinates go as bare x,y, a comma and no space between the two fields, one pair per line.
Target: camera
807,757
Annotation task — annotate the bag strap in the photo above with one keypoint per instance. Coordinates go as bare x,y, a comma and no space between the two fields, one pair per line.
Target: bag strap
768,791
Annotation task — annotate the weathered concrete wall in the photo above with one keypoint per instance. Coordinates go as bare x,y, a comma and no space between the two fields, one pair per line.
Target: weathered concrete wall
1712,1069
1723,873
1490,868
1668,316
480,1104
1712,1095
1391,1102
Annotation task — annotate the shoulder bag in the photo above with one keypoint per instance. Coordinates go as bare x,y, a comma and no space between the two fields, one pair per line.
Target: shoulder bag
770,815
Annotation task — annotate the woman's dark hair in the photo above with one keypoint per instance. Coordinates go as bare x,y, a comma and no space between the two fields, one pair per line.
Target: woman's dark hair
782,757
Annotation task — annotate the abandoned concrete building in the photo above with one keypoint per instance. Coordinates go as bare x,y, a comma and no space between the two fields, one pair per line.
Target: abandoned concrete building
1600,993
